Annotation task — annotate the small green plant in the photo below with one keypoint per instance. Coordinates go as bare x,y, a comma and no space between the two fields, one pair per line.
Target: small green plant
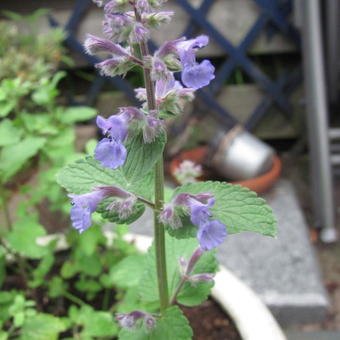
36,132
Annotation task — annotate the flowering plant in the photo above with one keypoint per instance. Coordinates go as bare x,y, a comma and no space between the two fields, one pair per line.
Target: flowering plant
126,175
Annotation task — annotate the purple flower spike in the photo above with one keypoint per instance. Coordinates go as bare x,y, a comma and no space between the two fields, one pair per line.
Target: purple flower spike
211,234
83,207
198,75
110,153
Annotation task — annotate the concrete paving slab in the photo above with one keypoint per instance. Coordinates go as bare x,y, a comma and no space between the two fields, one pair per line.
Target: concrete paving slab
322,335
283,270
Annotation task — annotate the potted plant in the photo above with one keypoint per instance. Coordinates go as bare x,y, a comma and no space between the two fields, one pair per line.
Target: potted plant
123,177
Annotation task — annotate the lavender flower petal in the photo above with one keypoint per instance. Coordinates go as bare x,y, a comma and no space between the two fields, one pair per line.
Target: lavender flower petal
198,75
211,234
81,218
110,153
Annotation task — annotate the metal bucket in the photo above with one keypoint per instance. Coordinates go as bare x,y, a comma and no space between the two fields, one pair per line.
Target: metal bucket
238,155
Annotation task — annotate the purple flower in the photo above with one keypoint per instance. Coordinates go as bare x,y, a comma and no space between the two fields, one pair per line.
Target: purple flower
116,126
193,74
108,66
130,320
211,234
140,33
152,127
83,207
123,205
117,27
114,6
95,45
198,75
170,216
199,212
110,153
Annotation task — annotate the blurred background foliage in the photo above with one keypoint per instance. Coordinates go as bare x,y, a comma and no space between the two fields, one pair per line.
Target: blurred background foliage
37,134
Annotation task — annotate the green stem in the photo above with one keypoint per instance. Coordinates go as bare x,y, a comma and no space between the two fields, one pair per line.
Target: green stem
178,289
159,232
6,212
74,298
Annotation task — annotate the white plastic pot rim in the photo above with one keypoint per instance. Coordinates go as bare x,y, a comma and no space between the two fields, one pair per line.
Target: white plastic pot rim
252,318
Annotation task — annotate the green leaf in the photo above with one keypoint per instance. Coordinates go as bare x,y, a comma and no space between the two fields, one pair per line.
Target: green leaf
68,269
90,239
13,157
42,327
142,157
91,286
113,216
23,238
56,287
77,114
43,268
128,272
175,249
2,266
9,134
98,324
82,176
239,208
172,325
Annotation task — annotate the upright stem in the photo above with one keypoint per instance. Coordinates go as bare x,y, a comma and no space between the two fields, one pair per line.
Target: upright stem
159,232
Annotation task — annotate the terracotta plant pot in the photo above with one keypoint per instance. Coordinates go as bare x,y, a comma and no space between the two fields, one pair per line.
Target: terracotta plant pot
258,184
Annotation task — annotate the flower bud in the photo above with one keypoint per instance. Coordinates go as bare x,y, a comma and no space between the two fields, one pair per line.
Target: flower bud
153,20
94,45
117,27
115,6
141,33
198,278
169,216
197,254
131,320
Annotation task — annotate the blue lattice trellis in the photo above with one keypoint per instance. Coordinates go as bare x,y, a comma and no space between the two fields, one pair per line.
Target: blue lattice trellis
273,17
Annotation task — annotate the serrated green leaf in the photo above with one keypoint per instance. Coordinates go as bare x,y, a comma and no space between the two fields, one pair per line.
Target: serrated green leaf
142,157
42,327
128,272
113,216
13,157
175,249
9,134
239,208
77,114
82,176
23,238
172,325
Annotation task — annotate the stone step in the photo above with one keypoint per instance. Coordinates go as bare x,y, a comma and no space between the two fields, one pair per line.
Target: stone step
283,270
321,335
